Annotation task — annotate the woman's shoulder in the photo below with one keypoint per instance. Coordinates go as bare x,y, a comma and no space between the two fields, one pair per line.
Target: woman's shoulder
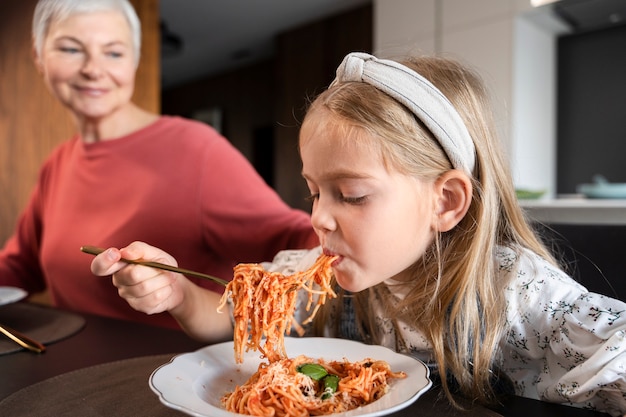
191,133
183,123
60,154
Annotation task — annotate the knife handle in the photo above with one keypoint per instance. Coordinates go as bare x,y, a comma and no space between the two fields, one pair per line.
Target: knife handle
22,339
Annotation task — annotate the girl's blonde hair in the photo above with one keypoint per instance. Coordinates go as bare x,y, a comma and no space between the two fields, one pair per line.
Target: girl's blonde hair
455,300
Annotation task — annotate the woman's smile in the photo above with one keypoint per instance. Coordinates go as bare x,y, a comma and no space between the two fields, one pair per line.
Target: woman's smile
91,91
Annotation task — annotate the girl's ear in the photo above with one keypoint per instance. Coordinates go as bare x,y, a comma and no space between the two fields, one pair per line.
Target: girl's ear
453,197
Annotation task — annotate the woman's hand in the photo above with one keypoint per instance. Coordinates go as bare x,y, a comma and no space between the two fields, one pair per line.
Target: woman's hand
146,289
152,291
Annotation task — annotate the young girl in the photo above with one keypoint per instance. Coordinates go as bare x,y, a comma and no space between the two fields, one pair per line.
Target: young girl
410,189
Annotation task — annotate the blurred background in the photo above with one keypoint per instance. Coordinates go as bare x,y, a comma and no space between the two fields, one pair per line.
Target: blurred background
556,74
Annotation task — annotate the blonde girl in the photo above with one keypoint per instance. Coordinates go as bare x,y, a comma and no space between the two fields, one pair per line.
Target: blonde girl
411,189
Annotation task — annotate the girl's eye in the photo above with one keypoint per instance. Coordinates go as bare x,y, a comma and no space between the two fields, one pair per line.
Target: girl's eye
354,200
341,198
312,197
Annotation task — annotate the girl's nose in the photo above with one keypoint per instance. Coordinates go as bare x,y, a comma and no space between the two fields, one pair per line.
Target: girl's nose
322,218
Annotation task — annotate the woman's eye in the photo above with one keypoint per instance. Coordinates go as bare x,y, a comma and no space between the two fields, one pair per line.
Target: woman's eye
115,54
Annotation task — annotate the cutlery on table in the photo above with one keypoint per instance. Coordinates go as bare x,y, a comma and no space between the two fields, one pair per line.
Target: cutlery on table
93,250
22,339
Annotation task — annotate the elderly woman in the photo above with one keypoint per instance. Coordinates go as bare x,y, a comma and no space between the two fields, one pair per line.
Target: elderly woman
128,174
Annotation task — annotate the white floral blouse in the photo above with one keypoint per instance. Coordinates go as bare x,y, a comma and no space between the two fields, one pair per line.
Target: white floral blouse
563,344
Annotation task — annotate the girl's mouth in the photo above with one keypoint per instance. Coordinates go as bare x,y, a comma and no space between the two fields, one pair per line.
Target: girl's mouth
329,252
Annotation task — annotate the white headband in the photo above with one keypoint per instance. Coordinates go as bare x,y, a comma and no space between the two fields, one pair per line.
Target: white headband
418,95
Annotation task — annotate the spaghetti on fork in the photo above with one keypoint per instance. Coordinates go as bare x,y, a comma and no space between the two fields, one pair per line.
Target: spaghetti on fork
264,304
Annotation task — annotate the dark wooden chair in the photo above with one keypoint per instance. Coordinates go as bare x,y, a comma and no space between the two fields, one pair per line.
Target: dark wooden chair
594,255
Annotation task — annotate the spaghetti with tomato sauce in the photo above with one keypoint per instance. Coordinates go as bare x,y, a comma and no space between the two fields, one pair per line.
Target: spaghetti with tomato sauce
263,310
282,389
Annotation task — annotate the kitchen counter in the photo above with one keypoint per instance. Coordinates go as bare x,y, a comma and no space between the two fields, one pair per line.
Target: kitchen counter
576,210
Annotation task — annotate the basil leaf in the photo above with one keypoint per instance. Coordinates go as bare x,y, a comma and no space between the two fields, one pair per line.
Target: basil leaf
331,384
313,370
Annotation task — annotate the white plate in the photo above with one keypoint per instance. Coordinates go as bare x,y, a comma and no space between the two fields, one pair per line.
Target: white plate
194,383
10,295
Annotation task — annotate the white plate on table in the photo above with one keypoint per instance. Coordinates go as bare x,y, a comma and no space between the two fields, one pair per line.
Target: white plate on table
10,295
195,382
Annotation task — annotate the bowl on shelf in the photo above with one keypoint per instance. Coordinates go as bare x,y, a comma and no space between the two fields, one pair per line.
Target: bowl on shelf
613,190
602,188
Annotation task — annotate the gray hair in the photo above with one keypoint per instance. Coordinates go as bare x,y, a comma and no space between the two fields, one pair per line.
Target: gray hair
48,11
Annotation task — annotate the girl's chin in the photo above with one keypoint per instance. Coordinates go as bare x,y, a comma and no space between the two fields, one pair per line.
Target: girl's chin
349,284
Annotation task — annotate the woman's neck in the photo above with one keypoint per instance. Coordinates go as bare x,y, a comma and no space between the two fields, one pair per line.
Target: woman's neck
121,123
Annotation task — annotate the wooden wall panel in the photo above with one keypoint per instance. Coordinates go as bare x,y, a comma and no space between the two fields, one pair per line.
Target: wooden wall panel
273,94
244,96
307,59
32,123
148,79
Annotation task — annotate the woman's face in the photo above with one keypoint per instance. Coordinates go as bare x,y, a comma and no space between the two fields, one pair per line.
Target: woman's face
88,63
378,221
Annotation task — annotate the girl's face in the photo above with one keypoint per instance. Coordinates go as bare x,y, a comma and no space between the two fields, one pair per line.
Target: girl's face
87,61
378,221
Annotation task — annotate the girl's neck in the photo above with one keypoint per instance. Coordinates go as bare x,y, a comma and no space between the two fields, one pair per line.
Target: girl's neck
119,124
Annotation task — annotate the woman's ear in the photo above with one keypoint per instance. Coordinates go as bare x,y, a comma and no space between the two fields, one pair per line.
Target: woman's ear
453,197
36,60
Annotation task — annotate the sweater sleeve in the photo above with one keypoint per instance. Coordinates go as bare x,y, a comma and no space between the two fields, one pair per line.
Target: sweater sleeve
19,259
244,219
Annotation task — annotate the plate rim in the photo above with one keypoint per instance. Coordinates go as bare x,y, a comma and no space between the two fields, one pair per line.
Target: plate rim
424,373
18,294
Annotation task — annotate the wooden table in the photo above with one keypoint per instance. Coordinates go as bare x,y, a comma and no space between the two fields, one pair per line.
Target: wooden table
104,370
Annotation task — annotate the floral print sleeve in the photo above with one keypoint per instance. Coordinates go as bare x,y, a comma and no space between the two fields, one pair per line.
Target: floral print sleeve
563,343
